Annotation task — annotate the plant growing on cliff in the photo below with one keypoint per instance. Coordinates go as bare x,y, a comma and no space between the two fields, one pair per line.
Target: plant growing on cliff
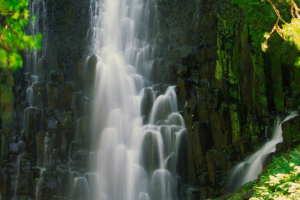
14,18
266,17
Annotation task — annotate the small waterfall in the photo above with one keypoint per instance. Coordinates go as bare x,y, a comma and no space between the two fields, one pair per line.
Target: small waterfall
252,166
80,189
35,59
39,183
266,133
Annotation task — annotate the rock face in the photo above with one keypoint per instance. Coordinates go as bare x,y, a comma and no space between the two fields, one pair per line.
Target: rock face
228,93
42,111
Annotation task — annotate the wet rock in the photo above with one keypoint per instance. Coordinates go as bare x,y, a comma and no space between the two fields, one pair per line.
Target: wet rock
279,147
64,181
82,126
191,103
13,148
150,151
203,193
266,159
159,70
204,83
216,131
290,131
27,136
235,124
147,103
244,147
202,142
219,159
52,94
58,76
203,179
290,104
91,70
212,53
210,166
22,147
181,91
175,54
33,119
23,176
37,95
2,184
62,120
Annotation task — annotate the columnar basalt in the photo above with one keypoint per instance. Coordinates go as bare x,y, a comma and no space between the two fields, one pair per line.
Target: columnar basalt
228,93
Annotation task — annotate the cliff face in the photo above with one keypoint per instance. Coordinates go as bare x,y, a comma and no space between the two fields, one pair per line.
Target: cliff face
229,93
36,141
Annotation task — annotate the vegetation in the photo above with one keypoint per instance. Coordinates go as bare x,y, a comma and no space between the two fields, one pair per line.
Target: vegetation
266,17
280,180
14,17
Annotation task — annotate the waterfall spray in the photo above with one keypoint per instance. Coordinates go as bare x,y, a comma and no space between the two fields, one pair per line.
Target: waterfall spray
135,161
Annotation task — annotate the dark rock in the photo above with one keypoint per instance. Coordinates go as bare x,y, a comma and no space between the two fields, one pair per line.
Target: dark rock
58,76
279,147
266,159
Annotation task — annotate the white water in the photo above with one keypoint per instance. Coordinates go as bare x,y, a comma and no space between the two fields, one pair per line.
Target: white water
35,59
134,161
252,166
35,74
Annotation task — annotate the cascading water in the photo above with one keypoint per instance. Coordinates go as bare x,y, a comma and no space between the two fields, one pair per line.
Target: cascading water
35,78
134,161
252,166
34,60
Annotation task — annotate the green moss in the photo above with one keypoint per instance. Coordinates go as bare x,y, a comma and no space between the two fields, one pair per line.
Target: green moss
219,67
235,124
233,92
70,124
259,88
254,139
235,63
244,36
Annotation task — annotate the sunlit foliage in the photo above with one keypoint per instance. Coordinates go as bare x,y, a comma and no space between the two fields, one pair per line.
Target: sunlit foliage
281,179
14,17
269,20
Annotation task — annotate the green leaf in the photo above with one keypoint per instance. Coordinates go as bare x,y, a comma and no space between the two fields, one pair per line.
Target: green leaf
16,15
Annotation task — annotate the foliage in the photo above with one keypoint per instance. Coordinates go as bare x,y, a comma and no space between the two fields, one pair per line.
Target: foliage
14,17
268,16
281,179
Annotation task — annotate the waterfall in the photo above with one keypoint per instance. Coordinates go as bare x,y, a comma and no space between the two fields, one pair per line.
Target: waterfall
252,166
35,59
135,160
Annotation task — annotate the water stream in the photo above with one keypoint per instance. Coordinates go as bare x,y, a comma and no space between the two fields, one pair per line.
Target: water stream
249,169
135,160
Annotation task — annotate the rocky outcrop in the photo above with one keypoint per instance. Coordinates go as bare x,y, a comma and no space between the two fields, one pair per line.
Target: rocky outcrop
43,129
229,91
